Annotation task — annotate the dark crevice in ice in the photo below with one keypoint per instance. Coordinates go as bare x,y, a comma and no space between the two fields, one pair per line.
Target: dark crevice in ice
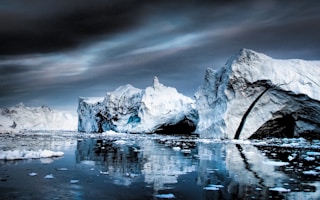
243,120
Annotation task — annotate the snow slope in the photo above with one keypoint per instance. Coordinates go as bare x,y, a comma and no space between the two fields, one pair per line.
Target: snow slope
129,109
254,93
21,117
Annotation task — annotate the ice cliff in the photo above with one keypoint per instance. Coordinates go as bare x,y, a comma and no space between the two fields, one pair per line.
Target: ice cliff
21,117
256,96
156,109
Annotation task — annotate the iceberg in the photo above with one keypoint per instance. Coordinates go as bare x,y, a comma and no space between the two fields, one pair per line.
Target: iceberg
21,117
255,96
156,109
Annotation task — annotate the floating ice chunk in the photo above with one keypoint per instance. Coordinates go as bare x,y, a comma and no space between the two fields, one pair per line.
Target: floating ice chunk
33,174
49,176
309,158
74,181
317,168
120,142
104,173
218,186
176,148
62,169
311,172
313,153
88,162
165,196
279,189
186,151
211,188
275,163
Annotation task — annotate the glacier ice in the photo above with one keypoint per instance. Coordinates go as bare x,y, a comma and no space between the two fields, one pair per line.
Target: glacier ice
254,96
157,108
21,117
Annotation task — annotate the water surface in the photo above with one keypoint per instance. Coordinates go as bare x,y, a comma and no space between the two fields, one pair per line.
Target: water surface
120,166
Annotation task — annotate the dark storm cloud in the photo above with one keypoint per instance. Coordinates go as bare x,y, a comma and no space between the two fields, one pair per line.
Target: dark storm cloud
50,25
54,51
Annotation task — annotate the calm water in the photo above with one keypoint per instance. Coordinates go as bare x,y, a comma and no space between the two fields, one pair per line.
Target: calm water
122,166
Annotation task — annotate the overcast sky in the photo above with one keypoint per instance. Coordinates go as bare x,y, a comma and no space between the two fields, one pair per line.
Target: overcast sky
52,52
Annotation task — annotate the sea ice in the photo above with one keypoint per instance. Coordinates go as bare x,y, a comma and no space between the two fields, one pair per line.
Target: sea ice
49,176
24,154
33,174
275,163
74,181
279,189
165,196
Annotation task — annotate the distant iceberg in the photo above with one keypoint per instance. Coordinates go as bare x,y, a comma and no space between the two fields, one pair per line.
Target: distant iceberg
21,117
157,109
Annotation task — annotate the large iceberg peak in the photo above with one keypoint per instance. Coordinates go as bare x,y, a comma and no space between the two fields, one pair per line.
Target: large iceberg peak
253,93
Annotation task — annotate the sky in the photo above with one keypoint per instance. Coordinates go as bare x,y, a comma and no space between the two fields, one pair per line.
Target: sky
53,51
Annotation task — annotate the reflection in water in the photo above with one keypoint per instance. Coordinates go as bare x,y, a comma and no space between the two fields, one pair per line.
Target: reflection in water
225,170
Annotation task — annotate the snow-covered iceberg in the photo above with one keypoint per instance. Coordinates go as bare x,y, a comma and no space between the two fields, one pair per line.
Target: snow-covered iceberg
255,96
157,109
21,117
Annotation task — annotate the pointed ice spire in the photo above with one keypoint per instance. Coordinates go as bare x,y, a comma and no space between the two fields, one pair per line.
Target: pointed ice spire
156,83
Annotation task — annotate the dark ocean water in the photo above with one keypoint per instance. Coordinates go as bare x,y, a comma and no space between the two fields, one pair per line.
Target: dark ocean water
119,166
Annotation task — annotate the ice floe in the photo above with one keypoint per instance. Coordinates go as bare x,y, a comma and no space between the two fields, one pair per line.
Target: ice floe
25,154
165,196
279,189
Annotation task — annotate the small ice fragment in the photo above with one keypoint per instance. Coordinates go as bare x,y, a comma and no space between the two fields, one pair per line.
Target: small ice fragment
258,189
74,181
186,151
217,186
275,163
211,188
279,189
49,176
33,174
291,157
313,153
176,148
120,142
311,172
317,168
104,173
165,196
91,169
308,158
62,169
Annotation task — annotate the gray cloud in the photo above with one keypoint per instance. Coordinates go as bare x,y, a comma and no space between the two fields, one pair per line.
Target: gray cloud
52,56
